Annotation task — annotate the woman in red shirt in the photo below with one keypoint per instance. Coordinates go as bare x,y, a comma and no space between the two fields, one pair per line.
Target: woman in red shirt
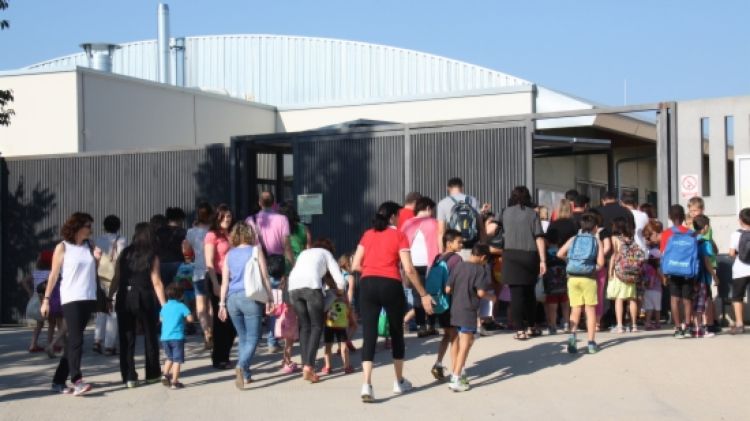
378,255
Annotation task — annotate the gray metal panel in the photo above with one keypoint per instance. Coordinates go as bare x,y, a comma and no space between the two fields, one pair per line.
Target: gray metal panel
490,161
355,175
41,193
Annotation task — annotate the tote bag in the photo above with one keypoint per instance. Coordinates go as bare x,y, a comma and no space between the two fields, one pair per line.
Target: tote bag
253,280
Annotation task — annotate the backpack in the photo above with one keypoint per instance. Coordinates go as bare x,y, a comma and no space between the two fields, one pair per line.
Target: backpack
743,249
629,261
338,315
463,218
555,279
582,255
437,277
106,269
681,255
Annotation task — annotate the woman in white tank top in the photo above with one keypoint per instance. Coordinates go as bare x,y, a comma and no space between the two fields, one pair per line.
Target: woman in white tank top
76,261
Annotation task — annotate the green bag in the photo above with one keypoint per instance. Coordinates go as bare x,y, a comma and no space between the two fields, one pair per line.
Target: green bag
384,329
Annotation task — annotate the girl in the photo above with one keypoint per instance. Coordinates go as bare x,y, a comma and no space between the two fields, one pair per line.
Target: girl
652,295
345,263
625,252
194,245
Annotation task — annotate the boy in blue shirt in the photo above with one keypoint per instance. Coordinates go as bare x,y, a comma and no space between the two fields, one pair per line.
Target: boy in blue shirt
173,316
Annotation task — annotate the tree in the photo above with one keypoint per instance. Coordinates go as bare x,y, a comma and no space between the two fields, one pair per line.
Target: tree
6,96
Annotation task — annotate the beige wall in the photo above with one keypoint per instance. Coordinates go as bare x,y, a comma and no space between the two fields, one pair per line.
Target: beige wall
409,111
46,119
720,207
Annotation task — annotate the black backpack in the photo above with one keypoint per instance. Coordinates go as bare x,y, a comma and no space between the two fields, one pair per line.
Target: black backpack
464,219
743,249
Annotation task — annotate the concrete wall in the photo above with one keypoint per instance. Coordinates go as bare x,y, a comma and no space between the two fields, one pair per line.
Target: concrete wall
412,111
720,207
46,119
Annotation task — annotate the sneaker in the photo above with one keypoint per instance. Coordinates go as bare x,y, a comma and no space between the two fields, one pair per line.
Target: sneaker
81,388
593,348
325,371
367,393
709,334
166,379
131,384
402,387
634,329
572,347
459,384
678,334
289,368
617,329
239,378
154,380
422,333
566,328
177,385
552,330
62,388
438,372
348,370
482,331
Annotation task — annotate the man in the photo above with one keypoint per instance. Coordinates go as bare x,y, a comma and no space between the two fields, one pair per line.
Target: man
460,212
580,205
640,219
407,212
610,209
273,235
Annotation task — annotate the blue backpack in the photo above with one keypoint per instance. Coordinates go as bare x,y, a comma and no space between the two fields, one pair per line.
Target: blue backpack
681,255
582,255
435,283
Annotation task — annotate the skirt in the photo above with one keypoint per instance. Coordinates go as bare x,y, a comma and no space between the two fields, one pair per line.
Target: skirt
520,267
618,289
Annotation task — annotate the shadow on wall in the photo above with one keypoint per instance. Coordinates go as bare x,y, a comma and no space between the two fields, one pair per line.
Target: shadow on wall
22,243
212,178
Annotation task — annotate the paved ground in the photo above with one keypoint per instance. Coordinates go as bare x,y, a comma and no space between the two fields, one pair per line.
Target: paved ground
634,376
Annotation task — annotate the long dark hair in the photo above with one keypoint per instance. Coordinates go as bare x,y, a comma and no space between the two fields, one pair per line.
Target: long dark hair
287,209
520,196
221,211
139,255
382,218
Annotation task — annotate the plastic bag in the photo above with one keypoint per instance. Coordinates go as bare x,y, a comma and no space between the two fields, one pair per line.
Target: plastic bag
539,290
34,309
384,328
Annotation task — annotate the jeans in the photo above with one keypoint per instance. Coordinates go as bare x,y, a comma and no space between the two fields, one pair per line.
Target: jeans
77,315
246,315
308,304
271,320
382,293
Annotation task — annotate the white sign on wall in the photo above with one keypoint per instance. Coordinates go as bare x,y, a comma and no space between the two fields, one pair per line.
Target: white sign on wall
741,181
310,204
689,186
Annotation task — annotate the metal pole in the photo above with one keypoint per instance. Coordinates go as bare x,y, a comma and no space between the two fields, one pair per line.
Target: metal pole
662,164
162,13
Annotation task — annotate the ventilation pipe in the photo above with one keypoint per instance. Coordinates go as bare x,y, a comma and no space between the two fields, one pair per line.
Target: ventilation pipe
162,42
100,55
178,46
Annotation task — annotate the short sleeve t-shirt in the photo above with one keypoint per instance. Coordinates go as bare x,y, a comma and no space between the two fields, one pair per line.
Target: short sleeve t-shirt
170,243
220,243
173,316
560,231
404,215
382,250
196,236
641,219
667,234
465,280
739,268
705,249
236,260
445,207
273,228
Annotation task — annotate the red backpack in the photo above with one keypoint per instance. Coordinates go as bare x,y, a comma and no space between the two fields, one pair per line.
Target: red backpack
629,261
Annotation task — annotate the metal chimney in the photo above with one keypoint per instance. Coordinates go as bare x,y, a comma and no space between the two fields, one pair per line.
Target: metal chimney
178,46
162,42
100,55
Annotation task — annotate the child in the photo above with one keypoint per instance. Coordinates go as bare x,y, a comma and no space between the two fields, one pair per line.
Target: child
555,286
345,264
739,248
624,272
707,277
585,256
468,283
680,288
336,324
696,207
285,327
652,280
173,316
452,244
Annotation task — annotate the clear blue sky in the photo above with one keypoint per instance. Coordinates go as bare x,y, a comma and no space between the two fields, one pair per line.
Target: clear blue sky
666,49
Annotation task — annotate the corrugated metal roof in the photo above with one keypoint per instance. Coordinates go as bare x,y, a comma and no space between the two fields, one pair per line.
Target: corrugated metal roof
294,71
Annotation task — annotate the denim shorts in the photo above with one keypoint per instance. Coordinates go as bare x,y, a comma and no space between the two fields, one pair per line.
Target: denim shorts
174,350
467,329
200,287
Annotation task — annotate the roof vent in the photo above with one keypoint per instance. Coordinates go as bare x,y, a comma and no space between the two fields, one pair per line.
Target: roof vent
100,55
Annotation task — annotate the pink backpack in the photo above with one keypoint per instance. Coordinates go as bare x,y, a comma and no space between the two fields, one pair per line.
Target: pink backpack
286,322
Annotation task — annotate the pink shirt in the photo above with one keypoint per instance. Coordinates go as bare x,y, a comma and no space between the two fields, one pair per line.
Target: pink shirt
221,245
428,226
273,228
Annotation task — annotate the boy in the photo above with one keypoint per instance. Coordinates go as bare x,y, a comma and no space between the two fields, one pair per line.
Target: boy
695,207
680,288
739,248
467,284
583,263
707,277
173,316
453,242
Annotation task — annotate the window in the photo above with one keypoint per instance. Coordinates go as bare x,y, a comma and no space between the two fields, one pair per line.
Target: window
729,151
705,161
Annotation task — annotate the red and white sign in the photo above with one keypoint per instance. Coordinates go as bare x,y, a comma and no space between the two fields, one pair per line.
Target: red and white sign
689,186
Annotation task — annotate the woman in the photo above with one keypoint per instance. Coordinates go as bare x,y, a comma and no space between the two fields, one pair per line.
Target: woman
139,285
524,259
299,235
215,248
245,313
378,255
422,233
111,244
194,245
306,295
76,260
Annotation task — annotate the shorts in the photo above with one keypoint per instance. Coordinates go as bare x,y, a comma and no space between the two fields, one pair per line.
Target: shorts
739,288
200,287
652,300
701,297
556,298
582,291
485,308
680,287
174,350
504,293
444,319
620,290
331,335
467,329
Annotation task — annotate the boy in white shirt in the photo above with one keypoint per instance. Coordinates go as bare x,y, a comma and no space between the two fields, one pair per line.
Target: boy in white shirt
739,248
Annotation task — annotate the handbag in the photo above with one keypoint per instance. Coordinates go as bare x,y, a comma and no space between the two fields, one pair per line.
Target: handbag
34,309
539,290
275,263
253,279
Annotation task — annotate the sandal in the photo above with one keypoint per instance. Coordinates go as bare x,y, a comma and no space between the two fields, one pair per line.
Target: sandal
735,330
36,349
310,376
521,336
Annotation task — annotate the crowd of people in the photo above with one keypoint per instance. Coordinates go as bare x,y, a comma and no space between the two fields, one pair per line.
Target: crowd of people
454,265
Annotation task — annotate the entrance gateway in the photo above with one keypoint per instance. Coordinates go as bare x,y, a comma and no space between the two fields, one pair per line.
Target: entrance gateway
358,165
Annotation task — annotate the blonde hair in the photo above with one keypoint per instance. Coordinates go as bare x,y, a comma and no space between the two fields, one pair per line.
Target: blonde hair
564,209
345,262
543,213
697,201
241,233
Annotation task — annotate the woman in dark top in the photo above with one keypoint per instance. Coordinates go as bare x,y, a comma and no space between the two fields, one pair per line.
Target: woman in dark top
139,286
169,239
523,259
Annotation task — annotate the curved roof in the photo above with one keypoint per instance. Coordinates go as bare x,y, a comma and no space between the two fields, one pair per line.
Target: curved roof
294,71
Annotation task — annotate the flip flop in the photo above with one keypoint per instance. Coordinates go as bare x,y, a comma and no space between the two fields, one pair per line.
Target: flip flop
521,336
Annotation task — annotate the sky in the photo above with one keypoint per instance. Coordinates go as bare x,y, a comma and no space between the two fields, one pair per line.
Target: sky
661,49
